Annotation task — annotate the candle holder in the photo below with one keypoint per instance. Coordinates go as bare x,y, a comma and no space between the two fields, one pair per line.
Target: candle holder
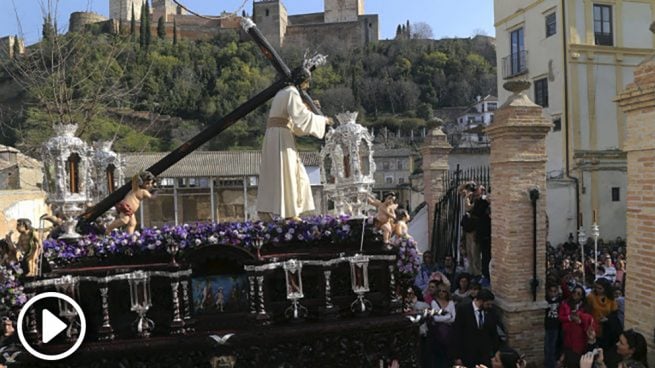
293,277
105,332
68,285
329,310
359,283
177,324
172,248
258,243
262,316
186,302
140,299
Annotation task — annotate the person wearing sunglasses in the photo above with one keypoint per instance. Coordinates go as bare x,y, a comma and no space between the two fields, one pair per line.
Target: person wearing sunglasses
440,329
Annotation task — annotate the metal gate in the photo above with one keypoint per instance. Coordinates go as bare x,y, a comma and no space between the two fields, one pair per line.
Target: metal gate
448,211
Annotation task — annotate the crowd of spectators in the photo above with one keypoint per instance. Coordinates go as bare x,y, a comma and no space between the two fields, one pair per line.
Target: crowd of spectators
584,314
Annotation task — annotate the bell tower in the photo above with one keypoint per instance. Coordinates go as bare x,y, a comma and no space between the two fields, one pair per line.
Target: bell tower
337,11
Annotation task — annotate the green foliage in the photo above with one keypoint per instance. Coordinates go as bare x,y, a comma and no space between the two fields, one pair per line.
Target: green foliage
133,25
174,32
161,28
396,83
48,30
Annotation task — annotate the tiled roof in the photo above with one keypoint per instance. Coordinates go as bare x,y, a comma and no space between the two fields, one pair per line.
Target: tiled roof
22,160
208,163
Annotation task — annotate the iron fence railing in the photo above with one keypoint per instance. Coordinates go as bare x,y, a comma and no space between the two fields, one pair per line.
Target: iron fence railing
448,211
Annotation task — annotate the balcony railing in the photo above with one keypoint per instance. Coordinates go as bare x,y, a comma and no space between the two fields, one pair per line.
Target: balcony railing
515,64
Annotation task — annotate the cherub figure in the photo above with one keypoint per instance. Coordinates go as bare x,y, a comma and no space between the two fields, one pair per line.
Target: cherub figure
220,299
386,215
400,230
142,183
28,245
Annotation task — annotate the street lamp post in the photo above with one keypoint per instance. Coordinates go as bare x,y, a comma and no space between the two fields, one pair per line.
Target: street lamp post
595,233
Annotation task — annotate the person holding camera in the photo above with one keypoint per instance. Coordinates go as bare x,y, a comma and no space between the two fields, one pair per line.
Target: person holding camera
469,225
631,347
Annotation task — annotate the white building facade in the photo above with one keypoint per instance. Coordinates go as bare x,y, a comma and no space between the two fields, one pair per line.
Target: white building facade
578,54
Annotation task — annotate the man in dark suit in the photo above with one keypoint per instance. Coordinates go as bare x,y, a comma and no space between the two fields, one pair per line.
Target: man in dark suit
476,336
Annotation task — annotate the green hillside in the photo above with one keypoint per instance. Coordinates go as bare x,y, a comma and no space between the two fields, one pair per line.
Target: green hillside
152,98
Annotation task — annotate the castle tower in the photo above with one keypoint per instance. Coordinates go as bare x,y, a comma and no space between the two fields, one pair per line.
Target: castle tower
122,9
337,11
271,19
8,46
166,9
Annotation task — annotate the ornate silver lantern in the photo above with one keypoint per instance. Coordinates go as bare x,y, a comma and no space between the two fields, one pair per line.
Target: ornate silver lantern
140,298
66,176
347,166
359,283
69,285
108,170
293,277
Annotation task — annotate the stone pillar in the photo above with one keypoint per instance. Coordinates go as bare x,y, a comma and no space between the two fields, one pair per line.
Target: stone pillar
435,152
518,164
638,103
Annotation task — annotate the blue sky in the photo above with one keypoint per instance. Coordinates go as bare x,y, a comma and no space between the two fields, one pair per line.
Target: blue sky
448,18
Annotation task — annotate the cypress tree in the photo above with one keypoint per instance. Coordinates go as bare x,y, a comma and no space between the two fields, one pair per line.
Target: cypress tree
142,26
161,28
409,31
133,25
174,32
16,46
148,32
48,30
398,30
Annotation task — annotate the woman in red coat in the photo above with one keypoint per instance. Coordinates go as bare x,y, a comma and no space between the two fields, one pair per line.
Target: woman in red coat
578,326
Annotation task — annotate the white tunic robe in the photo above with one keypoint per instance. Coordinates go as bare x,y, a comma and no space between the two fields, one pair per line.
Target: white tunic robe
284,187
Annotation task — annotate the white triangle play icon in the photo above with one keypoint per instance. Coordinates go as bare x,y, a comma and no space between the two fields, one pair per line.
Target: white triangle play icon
51,326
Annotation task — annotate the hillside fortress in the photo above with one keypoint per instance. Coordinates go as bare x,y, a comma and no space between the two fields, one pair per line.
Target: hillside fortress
341,24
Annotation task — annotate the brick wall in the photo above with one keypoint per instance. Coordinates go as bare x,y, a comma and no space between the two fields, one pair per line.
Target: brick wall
435,152
518,163
638,102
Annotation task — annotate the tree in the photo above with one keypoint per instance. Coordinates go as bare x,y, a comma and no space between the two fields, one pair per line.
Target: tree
16,48
142,26
48,31
421,31
424,111
72,78
161,28
133,25
148,30
174,32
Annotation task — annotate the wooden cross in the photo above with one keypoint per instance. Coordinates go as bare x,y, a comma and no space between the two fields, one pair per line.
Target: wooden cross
216,128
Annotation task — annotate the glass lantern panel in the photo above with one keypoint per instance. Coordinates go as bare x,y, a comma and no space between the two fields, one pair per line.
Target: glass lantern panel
49,169
72,168
111,180
363,158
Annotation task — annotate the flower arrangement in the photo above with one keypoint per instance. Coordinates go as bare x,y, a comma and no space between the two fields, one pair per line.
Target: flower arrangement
409,262
11,291
187,236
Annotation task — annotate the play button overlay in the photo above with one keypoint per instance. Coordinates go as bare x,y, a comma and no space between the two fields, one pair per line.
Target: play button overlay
51,326
53,331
